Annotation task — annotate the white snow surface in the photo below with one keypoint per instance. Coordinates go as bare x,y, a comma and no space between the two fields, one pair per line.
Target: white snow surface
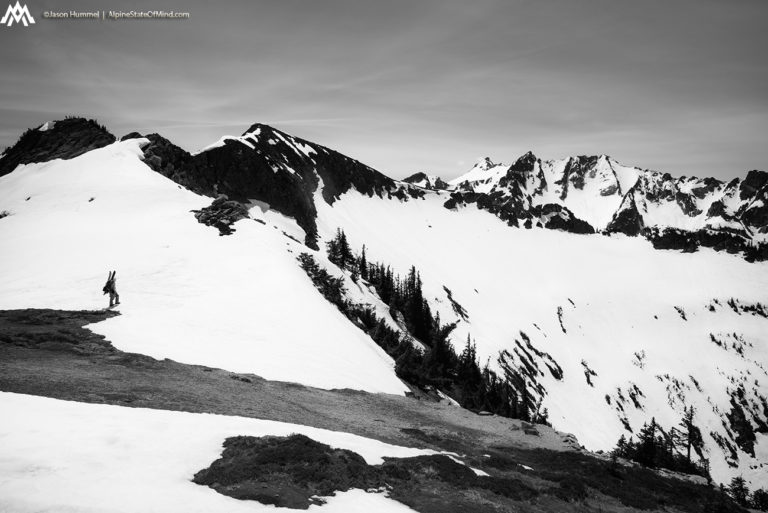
239,302
242,303
83,458
483,175
222,141
624,295
47,126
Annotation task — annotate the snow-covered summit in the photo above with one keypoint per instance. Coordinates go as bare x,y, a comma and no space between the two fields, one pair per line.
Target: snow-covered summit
484,171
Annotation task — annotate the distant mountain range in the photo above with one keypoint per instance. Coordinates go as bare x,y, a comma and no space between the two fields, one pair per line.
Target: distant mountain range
584,194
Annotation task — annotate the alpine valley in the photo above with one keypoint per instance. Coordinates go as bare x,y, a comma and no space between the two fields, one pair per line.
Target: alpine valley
542,305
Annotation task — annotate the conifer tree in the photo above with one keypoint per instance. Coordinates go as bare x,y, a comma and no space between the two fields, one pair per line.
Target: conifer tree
690,435
646,444
345,253
759,500
738,491
363,265
621,449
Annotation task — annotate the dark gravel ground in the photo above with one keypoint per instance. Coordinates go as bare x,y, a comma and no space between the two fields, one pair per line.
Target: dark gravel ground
49,353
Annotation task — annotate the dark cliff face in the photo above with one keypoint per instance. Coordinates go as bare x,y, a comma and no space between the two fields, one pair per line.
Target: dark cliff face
63,139
627,219
575,174
268,165
525,163
755,187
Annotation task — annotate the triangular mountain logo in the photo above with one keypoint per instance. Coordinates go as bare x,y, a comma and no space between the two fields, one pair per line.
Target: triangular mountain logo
18,14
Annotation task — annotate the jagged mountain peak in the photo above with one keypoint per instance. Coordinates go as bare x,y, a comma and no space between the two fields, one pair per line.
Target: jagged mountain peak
262,131
525,162
257,127
484,170
484,163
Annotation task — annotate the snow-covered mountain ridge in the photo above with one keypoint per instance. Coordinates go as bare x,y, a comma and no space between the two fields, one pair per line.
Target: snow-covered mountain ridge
631,332
584,194
588,194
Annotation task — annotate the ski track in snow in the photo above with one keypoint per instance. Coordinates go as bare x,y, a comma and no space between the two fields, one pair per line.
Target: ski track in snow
77,457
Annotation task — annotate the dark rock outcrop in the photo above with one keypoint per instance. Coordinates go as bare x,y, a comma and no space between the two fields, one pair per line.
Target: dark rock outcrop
755,182
524,164
576,173
64,139
515,212
558,217
719,240
627,219
175,163
755,186
222,213
131,135
429,183
709,186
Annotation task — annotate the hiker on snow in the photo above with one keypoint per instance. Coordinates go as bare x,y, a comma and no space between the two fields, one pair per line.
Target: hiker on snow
109,287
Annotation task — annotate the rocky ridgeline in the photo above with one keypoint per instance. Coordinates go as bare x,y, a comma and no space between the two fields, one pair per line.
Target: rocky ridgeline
673,213
268,165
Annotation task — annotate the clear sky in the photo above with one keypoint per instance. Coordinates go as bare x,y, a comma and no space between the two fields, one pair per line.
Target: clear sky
414,85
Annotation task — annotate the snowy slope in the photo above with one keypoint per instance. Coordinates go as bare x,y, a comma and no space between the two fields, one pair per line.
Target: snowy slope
616,296
596,200
653,331
597,189
482,177
76,457
187,293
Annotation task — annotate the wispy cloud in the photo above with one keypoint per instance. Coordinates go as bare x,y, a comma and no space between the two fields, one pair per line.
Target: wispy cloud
408,86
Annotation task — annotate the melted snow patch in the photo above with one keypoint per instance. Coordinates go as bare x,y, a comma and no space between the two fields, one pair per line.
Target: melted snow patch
95,457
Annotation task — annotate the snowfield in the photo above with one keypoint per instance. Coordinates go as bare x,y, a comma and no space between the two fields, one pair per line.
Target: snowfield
76,457
654,331
617,297
239,302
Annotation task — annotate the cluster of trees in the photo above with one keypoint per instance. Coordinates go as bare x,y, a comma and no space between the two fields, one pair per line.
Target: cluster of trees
437,365
671,450
739,492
